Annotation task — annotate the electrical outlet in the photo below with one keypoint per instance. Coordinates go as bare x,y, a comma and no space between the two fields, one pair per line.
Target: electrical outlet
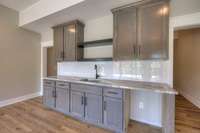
141,105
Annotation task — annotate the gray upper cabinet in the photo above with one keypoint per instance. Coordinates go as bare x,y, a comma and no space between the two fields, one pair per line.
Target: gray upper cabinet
93,108
67,37
153,20
141,31
125,34
77,104
62,100
58,43
113,113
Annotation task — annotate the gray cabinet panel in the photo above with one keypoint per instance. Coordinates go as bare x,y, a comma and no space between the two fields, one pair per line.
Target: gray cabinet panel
58,43
49,96
62,100
113,113
77,104
141,31
70,42
153,20
125,33
93,108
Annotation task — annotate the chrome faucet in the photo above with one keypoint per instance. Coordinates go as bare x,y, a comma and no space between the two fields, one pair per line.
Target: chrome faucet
96,70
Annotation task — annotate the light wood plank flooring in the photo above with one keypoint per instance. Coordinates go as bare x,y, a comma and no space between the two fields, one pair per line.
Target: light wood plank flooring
187,116
32,117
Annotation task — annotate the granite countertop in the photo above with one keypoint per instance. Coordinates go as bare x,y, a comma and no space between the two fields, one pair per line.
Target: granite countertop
123,84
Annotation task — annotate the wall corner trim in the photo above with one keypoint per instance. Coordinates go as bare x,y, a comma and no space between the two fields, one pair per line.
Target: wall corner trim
47,43
19,99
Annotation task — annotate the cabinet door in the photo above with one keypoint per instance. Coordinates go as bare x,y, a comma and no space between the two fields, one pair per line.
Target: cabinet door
62,100
153,21
51,62
77,104
125,34
113,114
58,43
70,42
49,97
93,108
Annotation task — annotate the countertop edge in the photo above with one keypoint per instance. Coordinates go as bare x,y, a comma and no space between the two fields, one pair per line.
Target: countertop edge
171,92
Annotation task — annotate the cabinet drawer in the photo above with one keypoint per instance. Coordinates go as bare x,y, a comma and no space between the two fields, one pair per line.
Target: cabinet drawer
77,87
87,88
93,89
49,83
111,92
62,84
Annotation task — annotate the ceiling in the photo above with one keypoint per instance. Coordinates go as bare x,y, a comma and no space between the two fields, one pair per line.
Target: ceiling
87,10
84,11
18,5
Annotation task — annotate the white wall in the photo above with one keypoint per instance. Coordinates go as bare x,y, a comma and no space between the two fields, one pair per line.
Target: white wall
20,59
183,7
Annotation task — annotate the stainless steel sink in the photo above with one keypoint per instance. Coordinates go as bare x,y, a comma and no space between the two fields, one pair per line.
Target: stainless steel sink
90,80
95,81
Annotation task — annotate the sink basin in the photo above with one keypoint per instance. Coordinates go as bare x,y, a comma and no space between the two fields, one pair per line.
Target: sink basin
91,80
94,81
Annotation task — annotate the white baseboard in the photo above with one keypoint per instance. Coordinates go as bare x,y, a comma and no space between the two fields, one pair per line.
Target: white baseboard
192,99
19,99
147,122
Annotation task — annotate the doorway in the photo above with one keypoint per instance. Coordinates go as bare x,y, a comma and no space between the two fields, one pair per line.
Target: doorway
187,79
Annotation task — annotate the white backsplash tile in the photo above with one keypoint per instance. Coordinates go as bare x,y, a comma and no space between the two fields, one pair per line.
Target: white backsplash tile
153,71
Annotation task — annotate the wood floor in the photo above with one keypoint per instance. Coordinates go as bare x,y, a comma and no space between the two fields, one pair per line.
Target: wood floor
32,117
187,116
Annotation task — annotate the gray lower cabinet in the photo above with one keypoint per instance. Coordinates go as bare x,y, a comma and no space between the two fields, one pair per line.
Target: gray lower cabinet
93,108
104,107
113,113
62,100
77,104
48,98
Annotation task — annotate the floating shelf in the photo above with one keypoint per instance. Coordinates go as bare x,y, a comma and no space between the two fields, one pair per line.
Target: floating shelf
97,59
96,43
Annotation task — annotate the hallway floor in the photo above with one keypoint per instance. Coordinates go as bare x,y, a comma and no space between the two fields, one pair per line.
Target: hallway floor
187,116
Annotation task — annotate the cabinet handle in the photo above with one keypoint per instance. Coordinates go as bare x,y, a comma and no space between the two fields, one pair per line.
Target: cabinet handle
55,94
105,105
85,101
62,54
52,93
82,100
134,50
139,48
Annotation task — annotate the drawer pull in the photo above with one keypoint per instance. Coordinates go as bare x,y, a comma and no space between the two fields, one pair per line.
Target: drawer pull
85,101
82,100
61,84
111,92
